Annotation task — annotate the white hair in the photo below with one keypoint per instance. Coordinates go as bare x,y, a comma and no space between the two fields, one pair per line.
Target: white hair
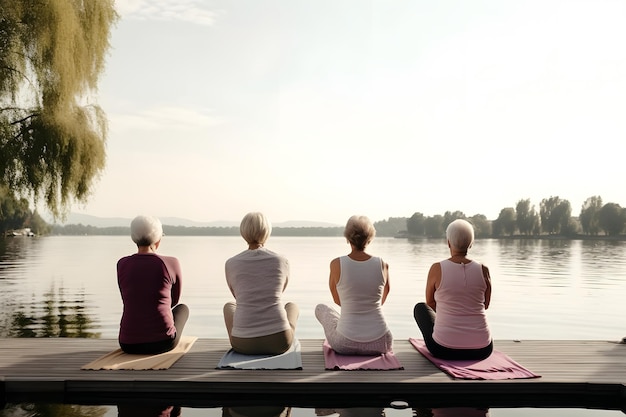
460,234
146,230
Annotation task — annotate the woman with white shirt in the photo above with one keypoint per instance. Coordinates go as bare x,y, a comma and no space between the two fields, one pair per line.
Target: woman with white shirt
257,322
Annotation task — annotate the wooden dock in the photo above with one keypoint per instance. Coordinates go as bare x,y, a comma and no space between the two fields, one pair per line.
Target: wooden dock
590,374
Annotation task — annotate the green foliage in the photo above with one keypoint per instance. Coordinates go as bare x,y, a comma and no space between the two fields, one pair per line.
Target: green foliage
13,212
80,230
433,226
612,219
52,140
393,226
415,225
306,231
506,222
482,226
589,215
527,218
449,217
37,224
555,215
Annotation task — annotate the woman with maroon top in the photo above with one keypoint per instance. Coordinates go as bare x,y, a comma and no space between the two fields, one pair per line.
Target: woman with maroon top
150,285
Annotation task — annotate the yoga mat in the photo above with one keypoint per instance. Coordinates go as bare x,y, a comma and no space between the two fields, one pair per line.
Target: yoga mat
337,362
496,366
118,359
291,359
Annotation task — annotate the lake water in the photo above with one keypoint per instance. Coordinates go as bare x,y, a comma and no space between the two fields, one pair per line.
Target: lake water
542,289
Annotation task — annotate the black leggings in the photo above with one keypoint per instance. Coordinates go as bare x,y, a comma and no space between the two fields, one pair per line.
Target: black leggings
181,314
425,319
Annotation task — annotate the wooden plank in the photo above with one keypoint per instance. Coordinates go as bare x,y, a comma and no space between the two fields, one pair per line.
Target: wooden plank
574,373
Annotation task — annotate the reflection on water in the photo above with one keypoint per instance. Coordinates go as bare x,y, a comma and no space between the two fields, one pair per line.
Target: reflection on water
256,411
127,410
66,285
58,312
57,315
351,412
451,412
52,410
63,410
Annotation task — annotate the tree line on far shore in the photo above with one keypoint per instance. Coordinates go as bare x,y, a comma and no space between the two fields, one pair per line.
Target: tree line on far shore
553,218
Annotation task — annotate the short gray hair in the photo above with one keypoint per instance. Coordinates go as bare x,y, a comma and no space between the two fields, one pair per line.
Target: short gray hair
460,234
359,231
146,230
255,228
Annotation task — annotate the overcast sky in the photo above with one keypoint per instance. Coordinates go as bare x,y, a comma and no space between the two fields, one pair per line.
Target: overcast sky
317,110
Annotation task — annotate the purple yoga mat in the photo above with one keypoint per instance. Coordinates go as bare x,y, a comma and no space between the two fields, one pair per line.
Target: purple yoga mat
336,362
496,366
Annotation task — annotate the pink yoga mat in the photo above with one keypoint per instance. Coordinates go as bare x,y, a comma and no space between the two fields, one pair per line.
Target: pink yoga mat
336,362
496,366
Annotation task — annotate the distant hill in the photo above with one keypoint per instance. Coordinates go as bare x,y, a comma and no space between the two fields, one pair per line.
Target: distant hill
88,220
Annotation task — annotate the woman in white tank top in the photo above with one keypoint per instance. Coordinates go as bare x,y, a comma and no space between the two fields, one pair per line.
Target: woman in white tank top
359,283
458,291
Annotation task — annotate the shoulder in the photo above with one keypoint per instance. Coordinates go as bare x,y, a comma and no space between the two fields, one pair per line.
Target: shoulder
267,253
167,258
240,255
437,265
128,261
124,259
435,268
381,261
170,260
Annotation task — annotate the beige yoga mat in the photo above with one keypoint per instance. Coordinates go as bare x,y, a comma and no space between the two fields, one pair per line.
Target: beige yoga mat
118,359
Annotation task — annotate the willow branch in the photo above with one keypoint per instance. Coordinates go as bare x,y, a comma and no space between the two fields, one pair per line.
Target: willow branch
22,120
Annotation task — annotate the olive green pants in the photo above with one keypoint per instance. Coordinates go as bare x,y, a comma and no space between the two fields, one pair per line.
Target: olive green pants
272,344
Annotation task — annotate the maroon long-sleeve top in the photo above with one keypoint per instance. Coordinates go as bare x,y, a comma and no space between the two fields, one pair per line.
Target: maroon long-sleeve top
150,286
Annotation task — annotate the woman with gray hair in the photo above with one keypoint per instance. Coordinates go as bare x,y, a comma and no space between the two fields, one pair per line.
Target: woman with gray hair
150,285
359,283
458,291
257,322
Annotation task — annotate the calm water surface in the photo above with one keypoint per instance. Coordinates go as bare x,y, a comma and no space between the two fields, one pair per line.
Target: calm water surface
542,289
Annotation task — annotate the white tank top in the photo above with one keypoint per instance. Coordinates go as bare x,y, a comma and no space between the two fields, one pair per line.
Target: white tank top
360,289
460,322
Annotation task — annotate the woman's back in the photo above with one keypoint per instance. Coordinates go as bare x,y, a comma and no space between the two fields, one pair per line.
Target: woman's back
360,288
461,322
146,285
257,278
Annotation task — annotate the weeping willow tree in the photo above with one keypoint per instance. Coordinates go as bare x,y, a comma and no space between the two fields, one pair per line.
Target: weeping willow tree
52,133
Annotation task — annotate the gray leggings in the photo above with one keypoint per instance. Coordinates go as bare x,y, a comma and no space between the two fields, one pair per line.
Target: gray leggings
329,318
